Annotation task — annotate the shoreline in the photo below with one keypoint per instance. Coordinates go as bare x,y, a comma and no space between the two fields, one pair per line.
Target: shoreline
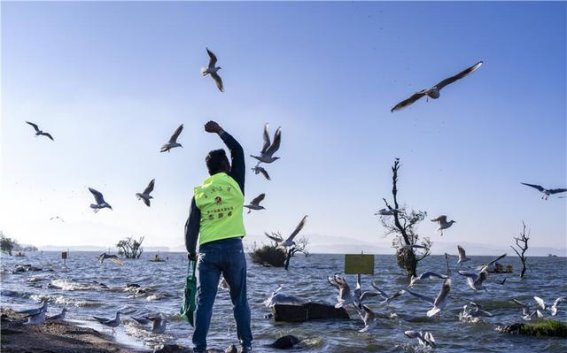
57,336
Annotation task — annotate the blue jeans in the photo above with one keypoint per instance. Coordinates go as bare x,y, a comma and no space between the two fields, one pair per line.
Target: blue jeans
224,257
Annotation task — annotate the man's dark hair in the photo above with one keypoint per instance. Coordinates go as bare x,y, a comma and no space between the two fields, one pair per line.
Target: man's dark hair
217,162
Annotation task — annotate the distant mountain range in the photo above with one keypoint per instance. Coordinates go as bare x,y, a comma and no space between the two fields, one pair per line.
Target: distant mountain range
328,244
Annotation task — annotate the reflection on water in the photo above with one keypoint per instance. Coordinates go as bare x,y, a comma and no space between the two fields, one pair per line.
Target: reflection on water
139,287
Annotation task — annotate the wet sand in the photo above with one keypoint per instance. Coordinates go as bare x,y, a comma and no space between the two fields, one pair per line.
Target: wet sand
54,337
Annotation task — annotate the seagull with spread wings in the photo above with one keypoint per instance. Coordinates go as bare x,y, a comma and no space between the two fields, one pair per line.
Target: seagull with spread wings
38,132
269,148
289,241
255,203
443,224
439,301
212,70
546,192
434,92
475,280
173,140
100,203
146,194
259,170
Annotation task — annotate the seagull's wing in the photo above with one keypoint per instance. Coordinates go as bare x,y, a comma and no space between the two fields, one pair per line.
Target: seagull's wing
264,173
491,262
276,144
555,191
267,142
368,294
275,238
540,188
48,135
432,274
440,219
218,81
97,195
540,302
458,76
462,254
175,135
150,187
382,293
443,292
408,101
256,201
297,229
34,126
472,275
212,58
558,301
422,297
520,303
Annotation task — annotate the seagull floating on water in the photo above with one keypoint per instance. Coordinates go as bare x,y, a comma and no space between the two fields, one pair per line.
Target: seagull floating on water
173,140
100,203
546,192
146,194
443,224
269,148
435,91
255,203
212,70
109,322
257,169
58,317
38,132
439,301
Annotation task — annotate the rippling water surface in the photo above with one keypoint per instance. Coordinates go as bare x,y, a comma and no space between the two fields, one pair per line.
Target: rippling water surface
88,288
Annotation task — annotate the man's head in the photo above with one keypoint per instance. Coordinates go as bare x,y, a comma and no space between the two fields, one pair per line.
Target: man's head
217,162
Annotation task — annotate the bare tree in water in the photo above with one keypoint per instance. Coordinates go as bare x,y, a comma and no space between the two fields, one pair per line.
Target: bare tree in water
521,247
402,223
130,247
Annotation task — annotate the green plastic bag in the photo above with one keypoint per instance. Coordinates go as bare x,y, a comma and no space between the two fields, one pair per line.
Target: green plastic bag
189,297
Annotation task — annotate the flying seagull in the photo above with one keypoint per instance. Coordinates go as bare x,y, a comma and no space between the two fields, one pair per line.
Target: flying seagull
368,317
269,148
289,241
434,92
553,308
527,313
100,203
425,275
439,301
38,132
359,296
173,140
546,192
212,70
255,203
257,169
443,224
146,194
388,298
345,296
112,258
475,280
386,212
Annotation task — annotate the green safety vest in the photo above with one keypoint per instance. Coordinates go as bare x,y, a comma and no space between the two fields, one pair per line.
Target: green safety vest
220,201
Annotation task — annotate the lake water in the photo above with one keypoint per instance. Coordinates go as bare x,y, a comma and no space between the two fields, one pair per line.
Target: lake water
77,287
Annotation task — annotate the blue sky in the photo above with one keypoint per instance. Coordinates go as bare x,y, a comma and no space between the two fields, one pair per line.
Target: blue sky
111,81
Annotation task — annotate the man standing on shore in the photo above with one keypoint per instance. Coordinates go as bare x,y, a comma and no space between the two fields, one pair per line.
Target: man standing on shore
216,220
